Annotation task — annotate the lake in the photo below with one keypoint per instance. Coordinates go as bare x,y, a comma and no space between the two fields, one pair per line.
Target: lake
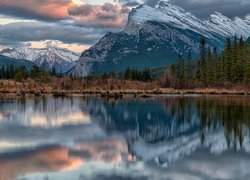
88,138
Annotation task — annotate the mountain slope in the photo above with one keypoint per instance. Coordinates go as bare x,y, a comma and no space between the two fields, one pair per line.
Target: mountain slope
51,57
154,37
6,61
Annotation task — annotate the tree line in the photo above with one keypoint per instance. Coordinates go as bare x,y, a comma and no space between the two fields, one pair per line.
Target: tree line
22,73
136,75
42,75
231,67
132,74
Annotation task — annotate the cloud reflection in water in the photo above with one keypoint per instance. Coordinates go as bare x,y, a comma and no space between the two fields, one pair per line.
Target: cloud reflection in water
45,112
58,159
69,119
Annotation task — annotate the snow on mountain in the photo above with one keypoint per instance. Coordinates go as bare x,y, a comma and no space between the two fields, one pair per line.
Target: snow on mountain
154,37
229,27
178,17
165,13
51,57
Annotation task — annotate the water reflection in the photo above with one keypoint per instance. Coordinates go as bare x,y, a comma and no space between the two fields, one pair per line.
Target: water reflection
43,112
130,138
170,117
213,112
44,160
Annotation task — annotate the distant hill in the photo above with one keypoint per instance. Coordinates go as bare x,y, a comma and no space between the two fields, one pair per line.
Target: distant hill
6,61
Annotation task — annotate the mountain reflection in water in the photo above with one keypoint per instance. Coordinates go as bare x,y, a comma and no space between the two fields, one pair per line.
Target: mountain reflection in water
165,137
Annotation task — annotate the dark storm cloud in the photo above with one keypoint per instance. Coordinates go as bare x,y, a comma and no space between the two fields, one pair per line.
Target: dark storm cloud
105,17
108,7
85,10
128,3
152,2
132,4
203,9
17,33
116,177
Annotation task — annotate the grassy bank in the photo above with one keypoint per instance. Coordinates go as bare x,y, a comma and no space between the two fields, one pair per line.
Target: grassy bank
112,89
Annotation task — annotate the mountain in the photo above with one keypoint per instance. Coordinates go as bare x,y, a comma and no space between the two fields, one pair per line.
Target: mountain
5,61
51,57
153,37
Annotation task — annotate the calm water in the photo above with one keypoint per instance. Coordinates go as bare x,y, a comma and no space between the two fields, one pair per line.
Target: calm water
85,138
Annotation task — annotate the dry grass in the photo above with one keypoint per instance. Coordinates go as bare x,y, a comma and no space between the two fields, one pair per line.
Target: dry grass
109,88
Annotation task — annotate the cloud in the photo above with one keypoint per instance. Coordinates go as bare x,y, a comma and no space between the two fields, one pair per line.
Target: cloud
107,15
132,4
17,33
82,24
61,20
203,9
84,10
36,9
152,2
68,22
128,3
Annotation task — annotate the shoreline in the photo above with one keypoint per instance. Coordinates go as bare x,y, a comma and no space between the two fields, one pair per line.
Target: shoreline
120,93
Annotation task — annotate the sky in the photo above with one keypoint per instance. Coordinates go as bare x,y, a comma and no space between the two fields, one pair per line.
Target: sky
78,24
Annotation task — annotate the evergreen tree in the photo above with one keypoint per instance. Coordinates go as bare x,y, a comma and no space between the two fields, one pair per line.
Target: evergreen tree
210,66
2,73
202,64
19,76
236,73
128,73
7,73
247,72
217,64
189,67
233,65
11,71
241,47
181,71
229,59
53,72
215,54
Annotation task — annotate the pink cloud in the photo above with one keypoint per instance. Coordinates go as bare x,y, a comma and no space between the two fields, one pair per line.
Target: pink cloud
37,9
107,15
86,15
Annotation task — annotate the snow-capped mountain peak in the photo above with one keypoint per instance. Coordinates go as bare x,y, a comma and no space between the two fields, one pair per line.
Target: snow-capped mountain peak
164,13
177,16
51,57
153,37
229,27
